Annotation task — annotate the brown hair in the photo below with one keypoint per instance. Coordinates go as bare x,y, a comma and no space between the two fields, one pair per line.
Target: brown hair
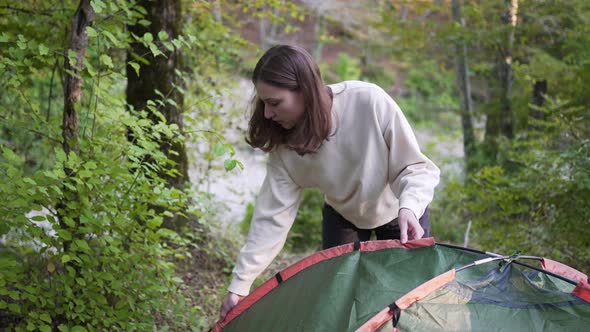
293,68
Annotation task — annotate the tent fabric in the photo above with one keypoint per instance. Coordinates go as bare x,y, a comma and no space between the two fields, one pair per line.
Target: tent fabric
425,289
511,300
407,300
564,270
582,291
318,257
346,287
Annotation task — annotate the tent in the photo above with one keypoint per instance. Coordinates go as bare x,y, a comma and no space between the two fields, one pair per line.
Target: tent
417,286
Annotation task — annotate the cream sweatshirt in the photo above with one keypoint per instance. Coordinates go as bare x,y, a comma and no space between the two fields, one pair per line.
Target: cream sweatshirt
367,170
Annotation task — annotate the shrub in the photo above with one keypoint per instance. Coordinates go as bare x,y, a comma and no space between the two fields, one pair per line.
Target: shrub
95,256
306,233
535,201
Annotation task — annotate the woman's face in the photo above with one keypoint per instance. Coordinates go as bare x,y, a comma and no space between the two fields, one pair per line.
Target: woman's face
281,105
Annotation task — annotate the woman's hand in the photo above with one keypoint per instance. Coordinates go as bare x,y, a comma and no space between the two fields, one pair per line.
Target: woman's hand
409,227
228,303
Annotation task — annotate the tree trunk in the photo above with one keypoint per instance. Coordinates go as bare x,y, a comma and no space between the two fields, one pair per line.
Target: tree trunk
539,91
500,118
268,28
506,72
464,85
318,31
538,99
262,32
403,12
160,75
73,81
72,95
217,11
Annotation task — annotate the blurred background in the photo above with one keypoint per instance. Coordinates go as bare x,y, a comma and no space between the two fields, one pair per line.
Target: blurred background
127,187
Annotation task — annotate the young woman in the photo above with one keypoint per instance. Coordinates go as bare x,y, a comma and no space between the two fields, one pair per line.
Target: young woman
348,139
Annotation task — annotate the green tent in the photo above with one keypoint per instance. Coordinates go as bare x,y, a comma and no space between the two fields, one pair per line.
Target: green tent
417,286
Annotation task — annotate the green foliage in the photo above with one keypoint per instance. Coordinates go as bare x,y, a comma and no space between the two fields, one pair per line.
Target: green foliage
448,224
306,232
378,74
536,202
431,92
205,273
345,68
528,195
83,247
101,236
209,110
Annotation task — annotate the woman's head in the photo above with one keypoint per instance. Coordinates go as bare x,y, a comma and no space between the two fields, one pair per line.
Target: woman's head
292,103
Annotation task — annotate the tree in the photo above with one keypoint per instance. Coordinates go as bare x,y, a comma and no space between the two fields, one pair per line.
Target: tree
157,84
78,196
500,118
464,87
73,66
506,72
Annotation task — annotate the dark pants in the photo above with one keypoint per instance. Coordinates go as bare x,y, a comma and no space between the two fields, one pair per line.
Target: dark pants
336,230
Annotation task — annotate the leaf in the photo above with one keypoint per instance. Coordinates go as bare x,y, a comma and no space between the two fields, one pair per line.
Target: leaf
229,164
64,235
90,165
154,49
148,37
97,5
84,174
21,42
169,46
65,258
9,155
111,37
104,58
91,32
219,150
154,223
73,58
78,328
167,233
135,66
14,295
60,156
89,68
45,328
82,245
163,35
43,50
38,218
45,317
14,307
70,222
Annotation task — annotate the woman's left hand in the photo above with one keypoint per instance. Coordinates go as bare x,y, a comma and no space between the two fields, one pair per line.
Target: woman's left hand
409,227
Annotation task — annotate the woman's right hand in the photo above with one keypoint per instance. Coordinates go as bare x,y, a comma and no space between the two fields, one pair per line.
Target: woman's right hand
228,303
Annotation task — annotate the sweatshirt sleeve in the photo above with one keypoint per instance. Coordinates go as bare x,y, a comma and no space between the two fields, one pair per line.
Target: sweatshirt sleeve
412,175
274,213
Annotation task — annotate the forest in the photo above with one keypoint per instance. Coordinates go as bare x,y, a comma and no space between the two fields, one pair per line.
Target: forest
127,187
